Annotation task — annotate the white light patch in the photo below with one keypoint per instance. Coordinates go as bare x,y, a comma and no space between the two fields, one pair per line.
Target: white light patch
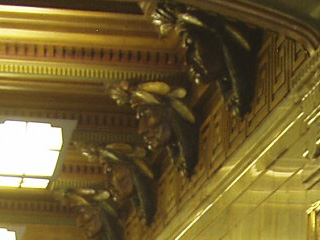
10,181
43,136
34,183
41,163
7,235
28,149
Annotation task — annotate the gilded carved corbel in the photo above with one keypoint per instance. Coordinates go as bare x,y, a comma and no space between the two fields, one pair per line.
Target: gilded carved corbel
165,120
129,176
216,50
128,179
95,214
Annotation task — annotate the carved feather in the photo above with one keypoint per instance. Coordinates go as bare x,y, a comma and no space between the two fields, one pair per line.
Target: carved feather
161,88
237,35
184,153
143,167
144,195
183,110
102,196
110,155
111,227
163,15
85,191
138,152
146,97
178,93
77,200
120,147
186,17
109,209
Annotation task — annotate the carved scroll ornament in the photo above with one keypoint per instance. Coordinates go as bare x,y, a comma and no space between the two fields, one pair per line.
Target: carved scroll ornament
128,179
165,121
216,50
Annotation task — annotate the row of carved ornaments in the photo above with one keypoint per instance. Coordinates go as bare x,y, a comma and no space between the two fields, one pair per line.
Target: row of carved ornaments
249,87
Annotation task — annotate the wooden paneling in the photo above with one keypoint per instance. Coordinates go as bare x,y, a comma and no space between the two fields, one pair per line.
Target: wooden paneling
221,133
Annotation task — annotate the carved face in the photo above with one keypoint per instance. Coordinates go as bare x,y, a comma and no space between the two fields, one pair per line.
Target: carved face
121,181
154,126
204,55
90,220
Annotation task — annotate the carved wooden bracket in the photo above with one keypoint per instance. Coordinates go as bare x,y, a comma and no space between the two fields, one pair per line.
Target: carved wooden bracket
95,215
128,178
165,121
216,51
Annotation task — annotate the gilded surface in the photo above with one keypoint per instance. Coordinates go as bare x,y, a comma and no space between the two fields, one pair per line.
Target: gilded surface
222,134
164,119
216,51
54,64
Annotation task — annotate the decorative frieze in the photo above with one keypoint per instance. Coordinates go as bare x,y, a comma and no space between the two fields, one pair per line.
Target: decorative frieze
79,54
82,169
81,64
104,137
33,206
9,68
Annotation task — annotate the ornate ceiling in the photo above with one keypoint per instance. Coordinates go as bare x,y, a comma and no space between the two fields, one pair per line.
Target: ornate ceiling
58,58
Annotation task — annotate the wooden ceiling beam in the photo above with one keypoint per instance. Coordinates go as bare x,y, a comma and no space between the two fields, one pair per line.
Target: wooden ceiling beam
65,26
128,7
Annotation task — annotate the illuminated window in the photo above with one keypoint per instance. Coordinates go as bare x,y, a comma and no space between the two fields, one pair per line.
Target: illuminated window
30,152
7,235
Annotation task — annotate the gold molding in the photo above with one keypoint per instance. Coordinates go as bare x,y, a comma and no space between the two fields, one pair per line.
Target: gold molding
29,218
33,206
96,55
103,137
79,73
76,28
87,120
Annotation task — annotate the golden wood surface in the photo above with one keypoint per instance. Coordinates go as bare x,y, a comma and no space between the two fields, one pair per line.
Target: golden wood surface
54,63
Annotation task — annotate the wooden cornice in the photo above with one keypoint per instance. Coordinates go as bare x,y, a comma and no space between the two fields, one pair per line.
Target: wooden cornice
31,203
80,28
113,6
64,45
70,64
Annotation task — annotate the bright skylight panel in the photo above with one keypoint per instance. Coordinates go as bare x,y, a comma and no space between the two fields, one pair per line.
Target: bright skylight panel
34,183
28,149
41,163
10,182
43,136
12,135
7,235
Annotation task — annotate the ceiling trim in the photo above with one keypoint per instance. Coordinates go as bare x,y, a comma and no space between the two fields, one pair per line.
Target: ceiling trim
95,65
